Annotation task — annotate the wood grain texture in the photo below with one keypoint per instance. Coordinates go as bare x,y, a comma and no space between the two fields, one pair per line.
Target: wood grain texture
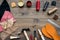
27,20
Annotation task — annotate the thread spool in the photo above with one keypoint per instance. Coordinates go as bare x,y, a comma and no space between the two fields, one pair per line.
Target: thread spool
52,11
13,4
29,4
31,37
21,3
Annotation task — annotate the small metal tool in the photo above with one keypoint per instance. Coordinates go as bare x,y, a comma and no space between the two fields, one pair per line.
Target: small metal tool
53,23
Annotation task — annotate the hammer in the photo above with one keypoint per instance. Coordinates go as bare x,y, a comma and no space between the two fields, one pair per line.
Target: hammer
25,33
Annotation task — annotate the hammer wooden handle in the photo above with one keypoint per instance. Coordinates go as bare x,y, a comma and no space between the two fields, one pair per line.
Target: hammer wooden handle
25,33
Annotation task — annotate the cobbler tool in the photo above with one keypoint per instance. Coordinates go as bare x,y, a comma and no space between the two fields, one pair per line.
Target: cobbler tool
53,23
26,29
55,17
14,37
37,5
31,37
45,6
13,4
40,33
35,35
25,32
53,3
52,11
26,35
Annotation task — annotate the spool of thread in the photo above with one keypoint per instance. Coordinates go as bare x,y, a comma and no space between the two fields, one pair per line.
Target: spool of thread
45,6
37,5
52,11
53,3
29,4
40,33
21,3
31,37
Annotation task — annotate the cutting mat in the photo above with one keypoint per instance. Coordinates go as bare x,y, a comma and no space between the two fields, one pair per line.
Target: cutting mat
29,17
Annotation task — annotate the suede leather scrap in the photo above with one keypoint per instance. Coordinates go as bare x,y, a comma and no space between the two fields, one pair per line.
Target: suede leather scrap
6,17
7,20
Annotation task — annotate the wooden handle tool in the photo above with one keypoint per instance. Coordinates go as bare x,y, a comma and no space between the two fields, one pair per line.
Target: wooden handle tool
52,11
25,33
35,36
14,37
40,33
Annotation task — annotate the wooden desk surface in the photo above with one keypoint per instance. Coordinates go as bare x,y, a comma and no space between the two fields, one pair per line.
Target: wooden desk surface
27,20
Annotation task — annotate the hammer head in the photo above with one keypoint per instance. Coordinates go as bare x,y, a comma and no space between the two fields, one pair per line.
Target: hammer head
26,29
